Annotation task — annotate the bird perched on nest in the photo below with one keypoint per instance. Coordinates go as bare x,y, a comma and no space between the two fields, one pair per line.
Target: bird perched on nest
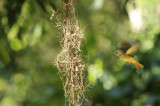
127,52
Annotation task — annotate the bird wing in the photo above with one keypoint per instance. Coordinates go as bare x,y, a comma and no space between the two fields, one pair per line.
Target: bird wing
124,46
132,50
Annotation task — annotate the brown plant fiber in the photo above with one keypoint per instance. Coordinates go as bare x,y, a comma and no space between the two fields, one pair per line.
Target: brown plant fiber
69,61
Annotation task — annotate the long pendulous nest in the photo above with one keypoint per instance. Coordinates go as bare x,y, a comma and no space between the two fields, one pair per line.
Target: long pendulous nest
69,62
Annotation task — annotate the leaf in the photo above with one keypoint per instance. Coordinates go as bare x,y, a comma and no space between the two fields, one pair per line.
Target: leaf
4,55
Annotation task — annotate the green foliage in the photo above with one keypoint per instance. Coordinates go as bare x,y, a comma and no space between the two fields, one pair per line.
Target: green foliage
29,43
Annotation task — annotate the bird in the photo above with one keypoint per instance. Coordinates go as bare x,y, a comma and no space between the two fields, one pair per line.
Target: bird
128,54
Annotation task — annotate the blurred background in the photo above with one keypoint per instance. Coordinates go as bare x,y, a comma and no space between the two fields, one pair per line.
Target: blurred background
29,44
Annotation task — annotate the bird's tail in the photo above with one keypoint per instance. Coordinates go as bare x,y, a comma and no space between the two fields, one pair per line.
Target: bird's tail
137,65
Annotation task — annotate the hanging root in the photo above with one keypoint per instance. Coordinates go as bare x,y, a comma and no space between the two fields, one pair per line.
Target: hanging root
69,62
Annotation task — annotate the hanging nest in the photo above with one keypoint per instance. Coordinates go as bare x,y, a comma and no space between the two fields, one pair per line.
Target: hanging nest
69,62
